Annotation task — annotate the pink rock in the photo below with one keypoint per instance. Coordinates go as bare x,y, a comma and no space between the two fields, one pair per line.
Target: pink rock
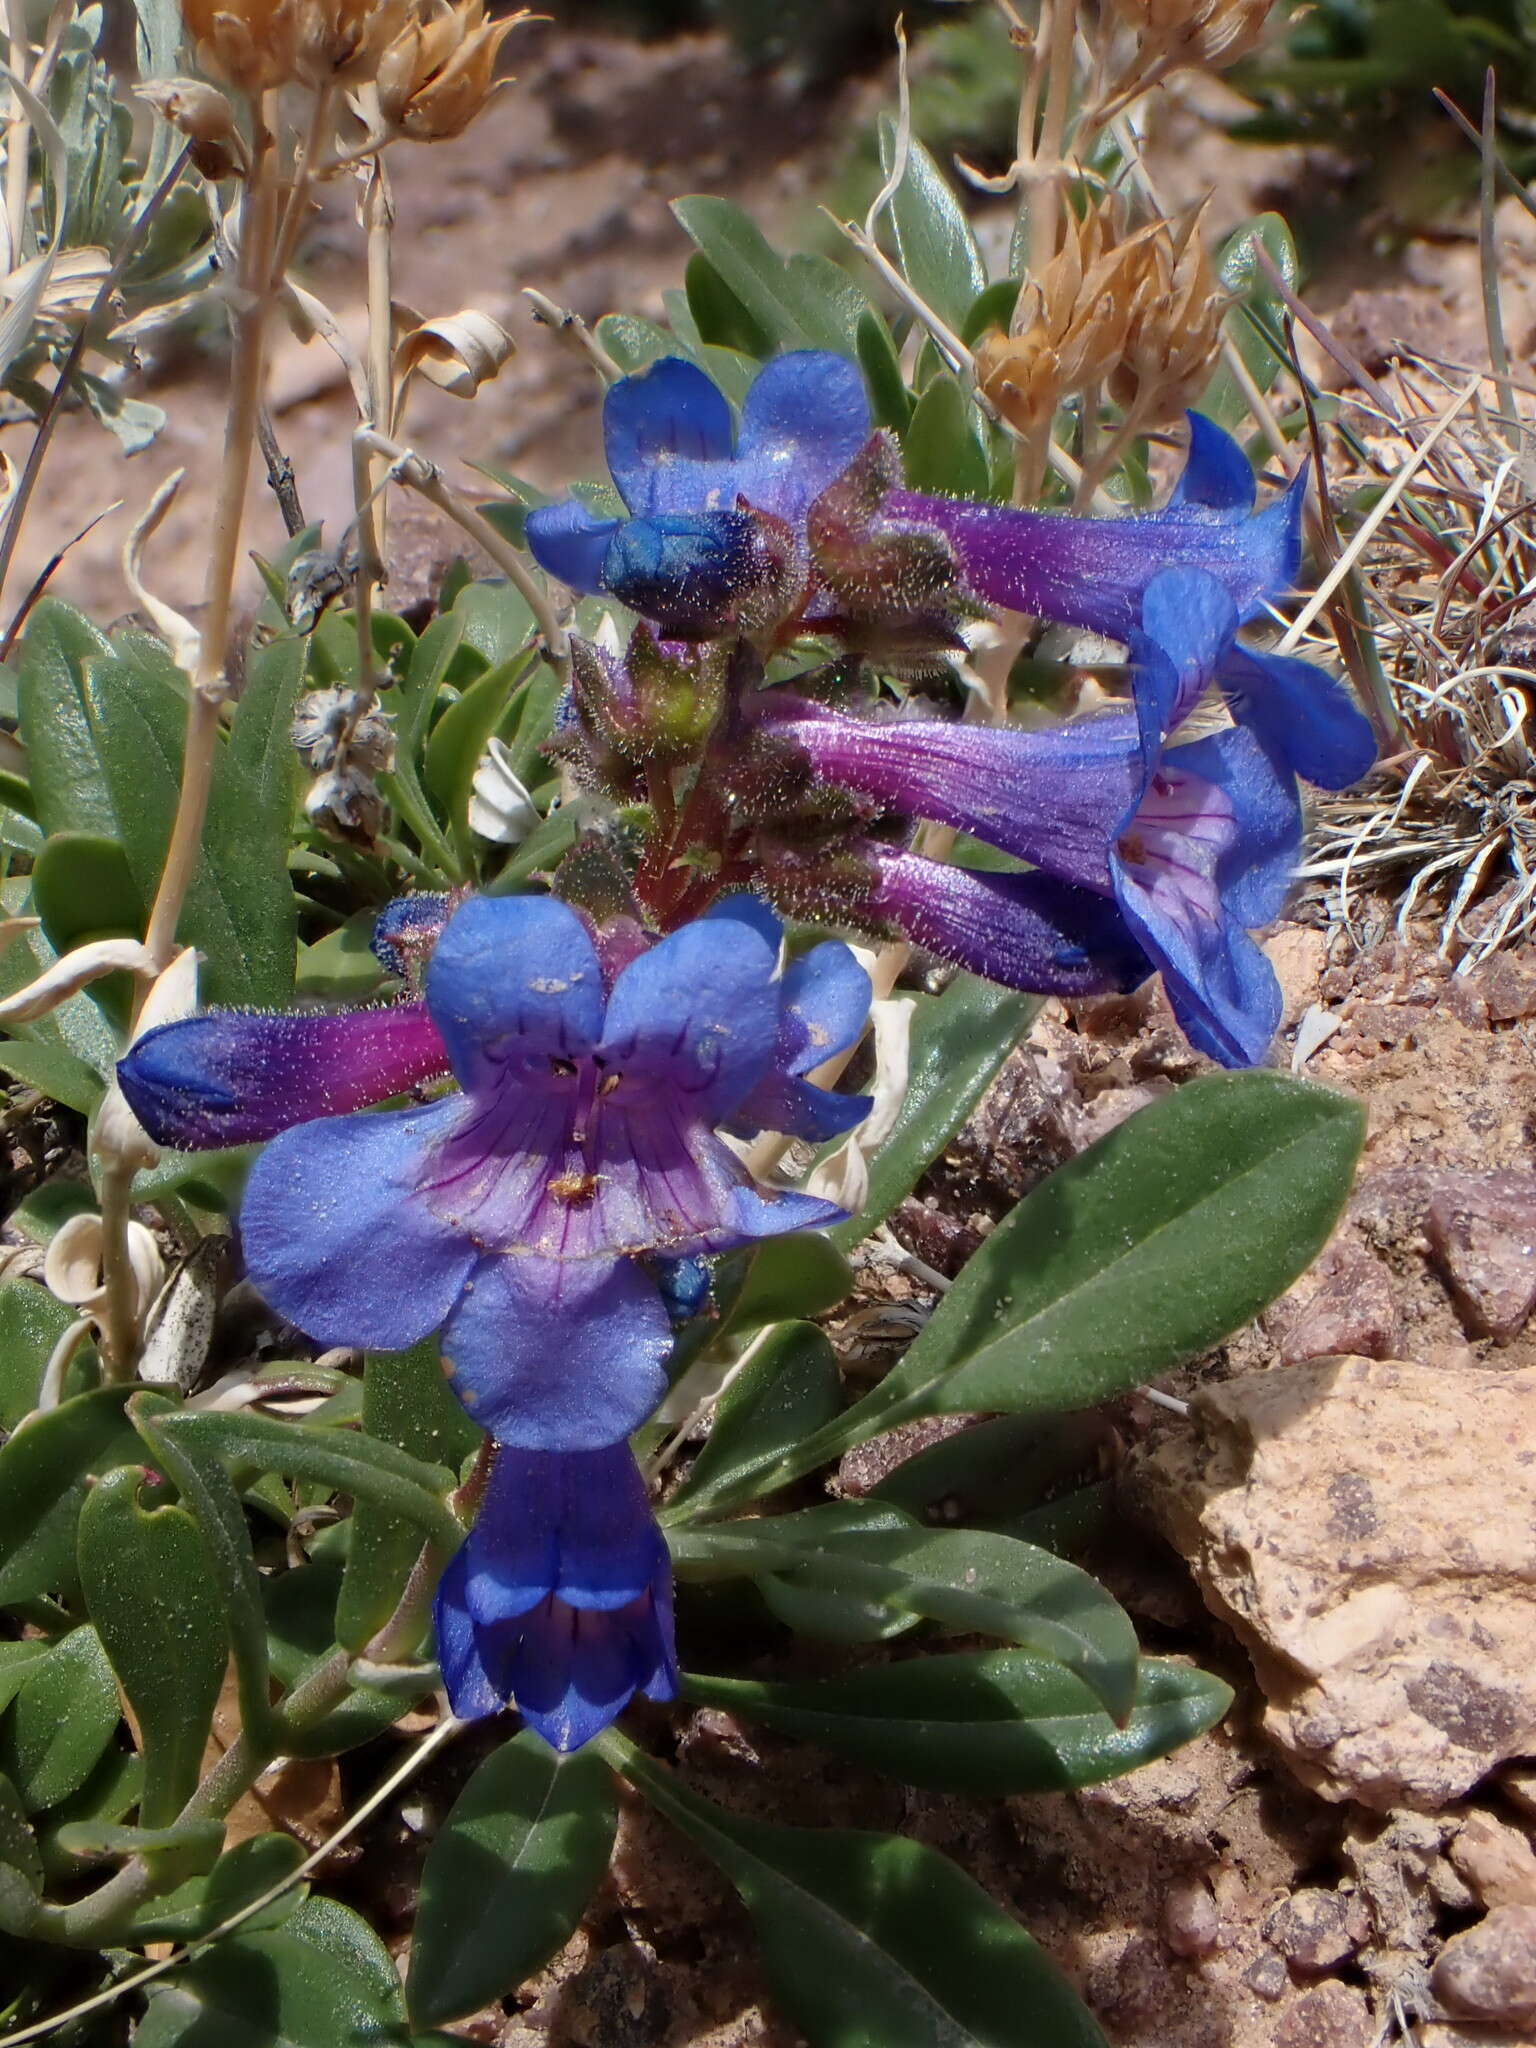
1481,1229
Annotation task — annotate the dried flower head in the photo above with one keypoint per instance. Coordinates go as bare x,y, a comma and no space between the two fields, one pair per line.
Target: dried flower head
252,44
345,40
1174,330
437,73
1172,34
1072,321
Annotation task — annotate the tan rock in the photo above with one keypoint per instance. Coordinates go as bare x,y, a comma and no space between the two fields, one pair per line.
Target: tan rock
1518,1784
1367,1528
1489,1972
1333,2015
1497,1861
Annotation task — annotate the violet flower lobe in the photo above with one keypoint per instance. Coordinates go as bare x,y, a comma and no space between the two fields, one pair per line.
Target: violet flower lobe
560,1601
689,544
1192,845
1094,572
518,1215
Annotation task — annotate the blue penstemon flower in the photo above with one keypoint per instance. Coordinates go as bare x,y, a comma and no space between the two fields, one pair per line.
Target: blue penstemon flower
1146,857
550,1218
519,1214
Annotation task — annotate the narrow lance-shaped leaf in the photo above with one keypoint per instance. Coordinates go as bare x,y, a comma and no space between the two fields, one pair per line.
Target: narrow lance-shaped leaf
508,1876
967,1580
871,1941
984,1723
788,1387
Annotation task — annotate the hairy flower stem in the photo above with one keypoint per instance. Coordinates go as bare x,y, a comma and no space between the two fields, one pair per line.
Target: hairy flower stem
209,687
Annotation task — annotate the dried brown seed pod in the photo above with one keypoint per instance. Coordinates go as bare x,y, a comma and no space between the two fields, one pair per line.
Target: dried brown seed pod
438,72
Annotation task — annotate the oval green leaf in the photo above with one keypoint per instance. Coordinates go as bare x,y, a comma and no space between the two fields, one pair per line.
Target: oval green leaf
63,1717
508,1876
158,1612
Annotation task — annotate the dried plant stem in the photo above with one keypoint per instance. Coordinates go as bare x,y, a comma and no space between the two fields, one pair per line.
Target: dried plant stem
209,686
378,221
17,134
424,477
120,1319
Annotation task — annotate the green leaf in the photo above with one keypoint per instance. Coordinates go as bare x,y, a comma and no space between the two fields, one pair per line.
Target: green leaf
407,1403
68,788
1257,305
959,1042
301,1617
21,1867
720,316
788,1387
938,254
345,1461
249,1869
871,1941
890,400
54,1072
240,911
1147,1249
994,309
800,301
83,888
273,1990
999,1467
206,1488
200,1839
415,701
63,1717
508,1876
342,967
42,1487
31,1322
967,1580
802,1275
984,1723
15,1658
497,621
943,449
157,1609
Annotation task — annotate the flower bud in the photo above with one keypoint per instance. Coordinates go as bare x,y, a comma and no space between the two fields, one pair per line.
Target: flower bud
204,116
438,71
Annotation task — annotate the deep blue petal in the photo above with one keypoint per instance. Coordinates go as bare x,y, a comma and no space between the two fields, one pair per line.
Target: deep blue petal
798,1109
232,1076
824,1001
513,983
474,1691
805,419
753,911
558,1355
1222,989
336,1238
1187,623
655,425
574,1673
758,1211
1217,474
698,1015
569,542
576,1523
1304,714
682,569
405,929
